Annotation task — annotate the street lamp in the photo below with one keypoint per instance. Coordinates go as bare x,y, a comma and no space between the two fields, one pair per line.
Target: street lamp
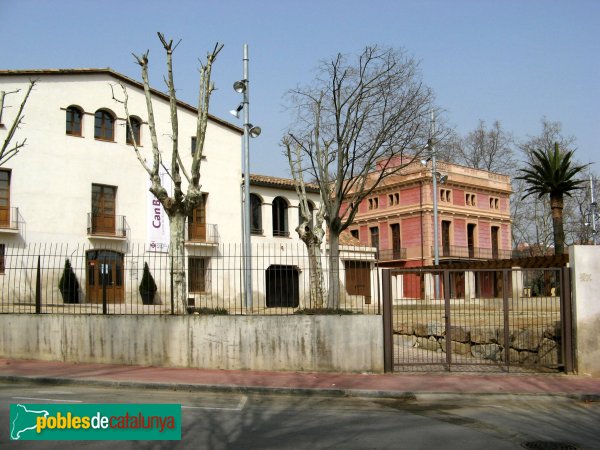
242,87
442,179
592,214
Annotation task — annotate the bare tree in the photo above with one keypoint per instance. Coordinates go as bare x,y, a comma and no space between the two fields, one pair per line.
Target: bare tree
310,229
361,121
487,149
181,203
8,151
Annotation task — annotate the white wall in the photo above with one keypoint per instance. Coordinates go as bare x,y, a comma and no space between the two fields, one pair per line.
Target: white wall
585,282
285,343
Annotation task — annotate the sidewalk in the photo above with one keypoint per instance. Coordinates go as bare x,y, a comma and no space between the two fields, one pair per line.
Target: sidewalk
329,384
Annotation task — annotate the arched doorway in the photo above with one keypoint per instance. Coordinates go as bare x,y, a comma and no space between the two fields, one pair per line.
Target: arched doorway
105,272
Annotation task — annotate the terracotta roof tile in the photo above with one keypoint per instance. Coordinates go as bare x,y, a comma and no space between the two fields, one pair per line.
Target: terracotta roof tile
287,183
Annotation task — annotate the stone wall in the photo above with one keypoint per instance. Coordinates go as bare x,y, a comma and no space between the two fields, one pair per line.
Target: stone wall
527,346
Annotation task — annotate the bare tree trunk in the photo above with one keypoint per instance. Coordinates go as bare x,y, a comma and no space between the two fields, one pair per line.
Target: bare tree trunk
177,257
333,297
312,237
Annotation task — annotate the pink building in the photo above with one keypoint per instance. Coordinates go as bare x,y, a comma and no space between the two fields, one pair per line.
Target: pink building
473,218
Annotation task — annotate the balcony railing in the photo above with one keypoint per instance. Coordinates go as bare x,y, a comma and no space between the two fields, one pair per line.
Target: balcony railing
454,251
202,233
391,254
99,225
10,220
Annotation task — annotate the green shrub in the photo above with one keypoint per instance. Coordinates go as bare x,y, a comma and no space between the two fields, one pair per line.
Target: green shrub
147,286
325,311
207,311
68,284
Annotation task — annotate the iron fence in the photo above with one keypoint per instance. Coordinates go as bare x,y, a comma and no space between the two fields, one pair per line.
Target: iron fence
107,277
492,319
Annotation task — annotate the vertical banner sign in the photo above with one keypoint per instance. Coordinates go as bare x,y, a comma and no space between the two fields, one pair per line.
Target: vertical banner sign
157,220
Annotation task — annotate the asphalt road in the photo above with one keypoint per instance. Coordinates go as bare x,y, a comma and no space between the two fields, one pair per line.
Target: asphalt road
236,421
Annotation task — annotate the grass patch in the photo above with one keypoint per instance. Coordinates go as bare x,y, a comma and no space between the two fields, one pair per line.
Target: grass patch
326,311
207,311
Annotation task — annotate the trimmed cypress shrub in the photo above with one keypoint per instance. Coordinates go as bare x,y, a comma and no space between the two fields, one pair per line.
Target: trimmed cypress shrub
147,286
68,284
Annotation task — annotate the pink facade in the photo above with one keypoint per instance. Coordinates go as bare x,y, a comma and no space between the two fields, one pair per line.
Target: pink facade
473,216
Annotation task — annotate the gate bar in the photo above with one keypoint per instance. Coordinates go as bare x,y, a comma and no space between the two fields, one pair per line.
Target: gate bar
506,317
388,329
566,320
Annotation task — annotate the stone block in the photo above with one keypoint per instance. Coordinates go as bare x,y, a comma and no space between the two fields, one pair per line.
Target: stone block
430,343
525,339
484,335
436,329
460,334
402,340
548,353
458,348
488,351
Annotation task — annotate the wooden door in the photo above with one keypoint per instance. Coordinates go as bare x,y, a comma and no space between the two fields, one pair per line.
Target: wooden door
396,245
358,279
4,198
471,239
103,209
105,272
197,222
445,238
495,243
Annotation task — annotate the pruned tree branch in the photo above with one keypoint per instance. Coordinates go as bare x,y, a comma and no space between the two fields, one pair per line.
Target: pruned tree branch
7,151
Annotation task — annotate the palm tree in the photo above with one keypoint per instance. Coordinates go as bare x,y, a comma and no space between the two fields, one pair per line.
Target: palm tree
552,172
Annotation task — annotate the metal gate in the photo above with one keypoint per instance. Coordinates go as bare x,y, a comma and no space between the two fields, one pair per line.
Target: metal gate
480,319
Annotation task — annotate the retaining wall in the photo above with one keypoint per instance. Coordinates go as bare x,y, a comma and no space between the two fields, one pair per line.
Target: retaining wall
293,343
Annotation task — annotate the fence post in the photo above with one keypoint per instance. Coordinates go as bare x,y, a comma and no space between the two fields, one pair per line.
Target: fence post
103,277
388,330
447,316
506,317
566,320
38,288
171,275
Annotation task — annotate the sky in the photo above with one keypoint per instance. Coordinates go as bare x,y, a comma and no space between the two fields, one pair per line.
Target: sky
512,61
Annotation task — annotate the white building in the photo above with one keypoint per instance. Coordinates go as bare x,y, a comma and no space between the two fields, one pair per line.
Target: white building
77,191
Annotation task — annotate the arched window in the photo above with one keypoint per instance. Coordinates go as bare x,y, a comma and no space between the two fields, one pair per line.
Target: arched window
136,127
255,214
104,125
280,222
74,116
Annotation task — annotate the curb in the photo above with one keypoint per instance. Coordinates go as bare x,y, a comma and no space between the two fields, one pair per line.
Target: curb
323,392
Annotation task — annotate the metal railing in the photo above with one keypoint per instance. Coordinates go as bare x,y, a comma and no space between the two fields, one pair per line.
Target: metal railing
13,221
106,225
455,251
391,254
106,278
496,319
202,233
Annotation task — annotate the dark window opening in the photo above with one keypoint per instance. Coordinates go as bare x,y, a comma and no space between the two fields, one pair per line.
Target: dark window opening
280,221
136,127
255,214
74,116
104,125
282,286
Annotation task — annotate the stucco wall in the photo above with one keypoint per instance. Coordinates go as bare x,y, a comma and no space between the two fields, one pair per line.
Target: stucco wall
295,343
585,281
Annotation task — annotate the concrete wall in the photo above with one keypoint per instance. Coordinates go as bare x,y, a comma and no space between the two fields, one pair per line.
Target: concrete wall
585,280
295,343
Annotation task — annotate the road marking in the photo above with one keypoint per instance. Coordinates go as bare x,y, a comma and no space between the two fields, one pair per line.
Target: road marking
48,399
239,407
55,392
